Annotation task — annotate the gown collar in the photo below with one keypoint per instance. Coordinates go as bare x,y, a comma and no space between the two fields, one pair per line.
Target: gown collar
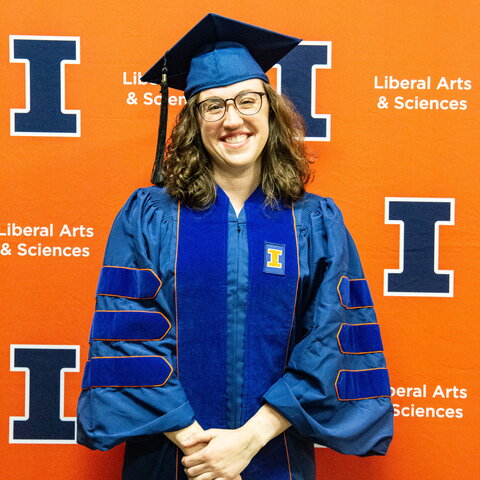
256,197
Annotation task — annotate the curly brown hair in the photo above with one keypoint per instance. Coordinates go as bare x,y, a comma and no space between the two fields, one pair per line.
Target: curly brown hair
187,167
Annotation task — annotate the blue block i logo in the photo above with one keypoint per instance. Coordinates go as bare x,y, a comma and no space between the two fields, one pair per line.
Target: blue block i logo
45,113
274,258
419,274
297,73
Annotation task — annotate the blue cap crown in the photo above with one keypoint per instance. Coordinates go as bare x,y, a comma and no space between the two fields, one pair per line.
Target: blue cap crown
221,64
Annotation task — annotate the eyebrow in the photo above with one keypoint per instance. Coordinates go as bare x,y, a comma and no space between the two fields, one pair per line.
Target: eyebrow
247,90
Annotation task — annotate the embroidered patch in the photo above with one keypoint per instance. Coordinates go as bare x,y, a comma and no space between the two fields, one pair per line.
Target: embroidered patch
354,293
114,325
135,283
141,371
362,384
274,258
359,338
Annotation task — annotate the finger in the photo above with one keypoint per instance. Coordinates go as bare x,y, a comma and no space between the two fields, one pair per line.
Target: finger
200,437
204,476
197,470
194,459
225,478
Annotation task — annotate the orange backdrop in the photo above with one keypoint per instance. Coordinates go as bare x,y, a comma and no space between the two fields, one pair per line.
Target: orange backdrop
374,153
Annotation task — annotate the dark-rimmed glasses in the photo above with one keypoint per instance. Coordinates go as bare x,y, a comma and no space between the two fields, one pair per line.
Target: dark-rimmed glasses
246,103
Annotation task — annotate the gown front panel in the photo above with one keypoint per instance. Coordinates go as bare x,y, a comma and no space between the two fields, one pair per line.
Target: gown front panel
259,316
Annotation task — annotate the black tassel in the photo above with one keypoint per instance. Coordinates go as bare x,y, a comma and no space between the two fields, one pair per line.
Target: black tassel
157,172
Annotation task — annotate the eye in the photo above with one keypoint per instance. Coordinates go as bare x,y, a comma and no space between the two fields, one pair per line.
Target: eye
212,107
247,100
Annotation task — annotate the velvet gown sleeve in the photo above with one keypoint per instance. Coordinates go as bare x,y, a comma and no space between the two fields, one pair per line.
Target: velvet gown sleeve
129,387
335,390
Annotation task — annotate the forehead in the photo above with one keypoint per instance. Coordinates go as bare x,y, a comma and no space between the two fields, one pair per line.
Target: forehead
254,85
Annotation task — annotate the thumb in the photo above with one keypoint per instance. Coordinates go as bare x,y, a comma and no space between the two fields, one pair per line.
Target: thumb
200,437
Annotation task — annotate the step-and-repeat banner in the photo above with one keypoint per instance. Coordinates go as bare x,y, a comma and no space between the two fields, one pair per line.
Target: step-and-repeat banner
390,94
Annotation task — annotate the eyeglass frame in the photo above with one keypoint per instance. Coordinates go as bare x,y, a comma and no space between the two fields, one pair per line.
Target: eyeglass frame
197,106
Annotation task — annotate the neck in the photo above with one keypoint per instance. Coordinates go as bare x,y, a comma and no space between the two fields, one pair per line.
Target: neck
238,186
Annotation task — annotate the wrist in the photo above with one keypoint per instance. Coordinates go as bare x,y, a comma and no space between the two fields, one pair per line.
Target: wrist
255,437
178,437
265,425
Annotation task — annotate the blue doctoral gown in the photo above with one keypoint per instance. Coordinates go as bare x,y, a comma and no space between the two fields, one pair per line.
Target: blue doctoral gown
204,316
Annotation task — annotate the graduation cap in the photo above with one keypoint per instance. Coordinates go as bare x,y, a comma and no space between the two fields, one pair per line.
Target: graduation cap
218,51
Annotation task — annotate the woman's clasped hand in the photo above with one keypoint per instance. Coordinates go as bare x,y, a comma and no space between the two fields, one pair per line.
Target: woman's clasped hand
226,454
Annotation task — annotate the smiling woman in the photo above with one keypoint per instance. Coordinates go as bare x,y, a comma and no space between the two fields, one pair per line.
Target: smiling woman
245,267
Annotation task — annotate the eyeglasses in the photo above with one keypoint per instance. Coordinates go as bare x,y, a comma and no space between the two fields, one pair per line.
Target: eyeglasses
246,103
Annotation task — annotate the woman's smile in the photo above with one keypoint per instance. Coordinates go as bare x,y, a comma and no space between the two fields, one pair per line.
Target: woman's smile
236,139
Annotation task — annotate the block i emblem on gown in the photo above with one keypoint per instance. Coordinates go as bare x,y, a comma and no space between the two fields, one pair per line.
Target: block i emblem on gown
274,258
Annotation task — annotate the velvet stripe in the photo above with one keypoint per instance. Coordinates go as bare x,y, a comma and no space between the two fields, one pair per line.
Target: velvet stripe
354,293
148,371
125,282
270,309
129,325
360,338
362,384
201,283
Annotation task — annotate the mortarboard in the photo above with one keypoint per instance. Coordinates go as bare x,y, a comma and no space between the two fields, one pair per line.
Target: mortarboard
218,51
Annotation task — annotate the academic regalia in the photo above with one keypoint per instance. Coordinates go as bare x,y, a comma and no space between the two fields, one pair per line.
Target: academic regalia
205,316
200,316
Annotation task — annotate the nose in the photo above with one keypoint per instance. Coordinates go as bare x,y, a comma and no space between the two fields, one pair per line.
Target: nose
232,117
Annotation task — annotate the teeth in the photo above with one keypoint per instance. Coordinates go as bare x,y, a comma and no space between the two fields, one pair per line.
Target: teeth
236,139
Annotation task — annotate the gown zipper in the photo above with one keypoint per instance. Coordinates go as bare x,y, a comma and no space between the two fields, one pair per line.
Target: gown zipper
236,412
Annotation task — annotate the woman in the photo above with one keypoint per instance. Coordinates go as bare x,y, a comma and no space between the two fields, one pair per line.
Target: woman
233,322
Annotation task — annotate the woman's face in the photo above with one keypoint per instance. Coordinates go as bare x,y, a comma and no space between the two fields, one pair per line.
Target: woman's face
236,141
